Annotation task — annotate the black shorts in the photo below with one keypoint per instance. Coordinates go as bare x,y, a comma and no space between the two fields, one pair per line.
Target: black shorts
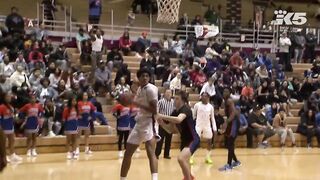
192,144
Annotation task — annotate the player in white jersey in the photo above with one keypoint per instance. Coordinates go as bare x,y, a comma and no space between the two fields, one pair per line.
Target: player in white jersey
205,122
146,99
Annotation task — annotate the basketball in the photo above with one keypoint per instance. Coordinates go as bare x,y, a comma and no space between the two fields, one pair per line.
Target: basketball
125,98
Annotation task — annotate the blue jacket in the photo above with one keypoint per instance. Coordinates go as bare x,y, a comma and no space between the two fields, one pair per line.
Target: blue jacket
243,121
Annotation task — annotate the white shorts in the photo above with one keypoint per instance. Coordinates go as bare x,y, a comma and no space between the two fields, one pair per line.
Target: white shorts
204,131
140,134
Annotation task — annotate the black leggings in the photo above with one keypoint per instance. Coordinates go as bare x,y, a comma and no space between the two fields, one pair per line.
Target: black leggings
230,146
123,135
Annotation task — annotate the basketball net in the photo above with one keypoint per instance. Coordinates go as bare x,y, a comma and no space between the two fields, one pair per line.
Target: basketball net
168,11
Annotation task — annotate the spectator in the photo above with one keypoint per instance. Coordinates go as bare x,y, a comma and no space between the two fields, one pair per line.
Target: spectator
86,50
280,125
263,92
311,43
199,79
40,32
45,91
123,72
97,48
3,52
99,114
285,43
103,77
115,57
120,88
243,129
211,16
149,61
299,43
262,72
307,127
35,57
95,11
80,37
21,62
55,78
15,22
177,46
197,20
131,17
209,88
307,88
125,43
184,20
260,126
19,77
143,43
175,84
5,84
247,90
236,62
49,113
265,60
61,57
7,67
35,79
164,43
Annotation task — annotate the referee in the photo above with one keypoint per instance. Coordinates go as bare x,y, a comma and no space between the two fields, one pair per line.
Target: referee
166,107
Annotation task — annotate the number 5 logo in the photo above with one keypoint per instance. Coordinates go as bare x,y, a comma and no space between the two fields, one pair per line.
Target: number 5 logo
299,18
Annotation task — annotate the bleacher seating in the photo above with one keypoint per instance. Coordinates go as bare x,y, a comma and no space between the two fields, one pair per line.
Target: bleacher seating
105,139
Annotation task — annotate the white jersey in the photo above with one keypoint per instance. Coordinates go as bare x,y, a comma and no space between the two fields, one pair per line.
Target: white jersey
145,95
204,113
97,44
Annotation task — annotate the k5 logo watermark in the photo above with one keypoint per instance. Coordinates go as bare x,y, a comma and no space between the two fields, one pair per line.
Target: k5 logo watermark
290,18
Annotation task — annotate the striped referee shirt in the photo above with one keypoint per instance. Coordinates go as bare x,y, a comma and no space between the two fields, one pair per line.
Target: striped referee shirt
165,106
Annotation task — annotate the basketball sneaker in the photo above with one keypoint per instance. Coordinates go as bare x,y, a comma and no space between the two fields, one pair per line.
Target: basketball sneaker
87,151
69,155
235,164
120,154
226,167
75,155
191,161
8,159
208,160
29,153
34,152
15,158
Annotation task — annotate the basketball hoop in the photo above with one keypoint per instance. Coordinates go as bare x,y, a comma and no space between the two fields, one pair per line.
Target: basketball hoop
168,11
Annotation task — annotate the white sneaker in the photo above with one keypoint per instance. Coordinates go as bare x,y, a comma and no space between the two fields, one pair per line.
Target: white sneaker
51,134
69,155
75,155
120,154
87,151
77,151
34,152
8,159
29,153
15,158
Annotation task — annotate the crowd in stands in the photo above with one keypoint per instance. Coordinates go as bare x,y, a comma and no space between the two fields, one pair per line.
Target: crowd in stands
31,66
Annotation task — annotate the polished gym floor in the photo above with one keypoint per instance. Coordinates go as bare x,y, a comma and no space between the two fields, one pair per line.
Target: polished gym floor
273,163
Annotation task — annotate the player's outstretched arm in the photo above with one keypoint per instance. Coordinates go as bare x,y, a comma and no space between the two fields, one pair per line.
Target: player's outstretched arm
173,119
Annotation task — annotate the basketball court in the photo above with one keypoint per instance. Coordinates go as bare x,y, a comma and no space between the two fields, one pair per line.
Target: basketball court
273,163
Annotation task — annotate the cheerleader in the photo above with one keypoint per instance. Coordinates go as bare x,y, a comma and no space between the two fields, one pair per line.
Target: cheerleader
7,124
70,118
122,114
33,111
87,113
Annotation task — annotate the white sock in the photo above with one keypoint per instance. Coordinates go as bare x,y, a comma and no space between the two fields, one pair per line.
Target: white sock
123,178
266,142
87,148
154,176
